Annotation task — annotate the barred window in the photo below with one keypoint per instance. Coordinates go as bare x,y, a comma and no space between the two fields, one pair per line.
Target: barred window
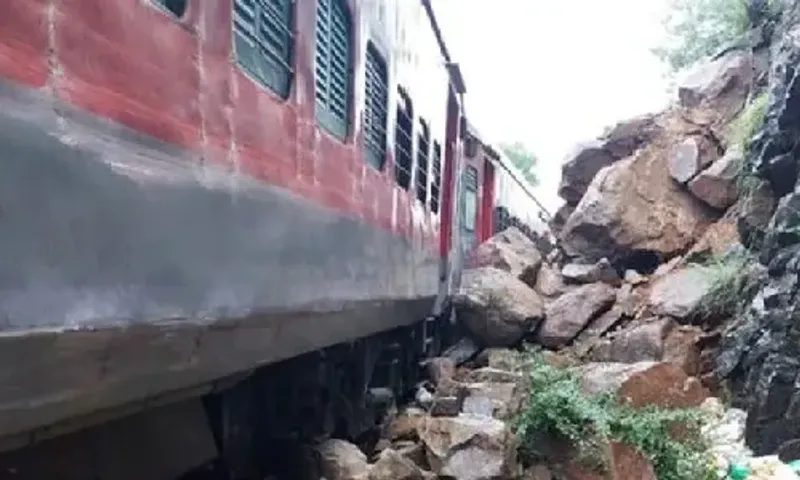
470,199
375,103
332,66
264,41
436,177
423,154
403,140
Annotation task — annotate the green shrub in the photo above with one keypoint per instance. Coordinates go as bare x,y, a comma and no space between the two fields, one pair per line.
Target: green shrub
557,407
728,276
747,123
697,29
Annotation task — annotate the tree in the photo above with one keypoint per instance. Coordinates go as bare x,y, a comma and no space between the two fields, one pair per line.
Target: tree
523,159
699,28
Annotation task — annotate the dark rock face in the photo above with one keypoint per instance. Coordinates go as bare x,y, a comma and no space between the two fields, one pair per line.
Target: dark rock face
760,353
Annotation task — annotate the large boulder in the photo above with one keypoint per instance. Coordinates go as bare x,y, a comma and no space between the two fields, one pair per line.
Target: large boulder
392,465
680,293
716,185
579,169
549,282
644,383
341,460
512,251
635,205
715,92
496,307
469,447
588,158
658,340
601,271
571,312
691,155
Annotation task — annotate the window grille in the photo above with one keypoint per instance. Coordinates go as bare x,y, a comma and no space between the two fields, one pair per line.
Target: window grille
375,101
423,154
436,174
332,66
263,41
403,140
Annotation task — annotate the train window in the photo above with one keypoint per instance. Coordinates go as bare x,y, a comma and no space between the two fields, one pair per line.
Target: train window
175,7
376,97
423,152
263,41
403,140
436,177
332,66
470,198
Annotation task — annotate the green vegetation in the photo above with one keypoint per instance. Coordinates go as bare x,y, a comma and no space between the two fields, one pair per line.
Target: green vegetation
740,133
747,123
699,28
523,159
557,408
728,279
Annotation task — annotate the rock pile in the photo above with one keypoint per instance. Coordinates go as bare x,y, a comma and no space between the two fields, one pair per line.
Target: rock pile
653,208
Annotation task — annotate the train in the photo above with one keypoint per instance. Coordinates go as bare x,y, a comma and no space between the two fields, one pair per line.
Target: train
221,219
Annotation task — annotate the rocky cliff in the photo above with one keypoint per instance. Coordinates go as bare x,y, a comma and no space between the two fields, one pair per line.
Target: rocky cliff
760,354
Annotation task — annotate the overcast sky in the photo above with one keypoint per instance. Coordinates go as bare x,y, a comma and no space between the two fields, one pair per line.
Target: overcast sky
552,73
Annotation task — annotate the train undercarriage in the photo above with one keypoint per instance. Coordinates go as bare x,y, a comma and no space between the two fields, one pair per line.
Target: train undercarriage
256,426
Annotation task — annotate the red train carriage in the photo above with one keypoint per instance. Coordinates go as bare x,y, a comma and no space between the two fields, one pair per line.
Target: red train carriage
193,189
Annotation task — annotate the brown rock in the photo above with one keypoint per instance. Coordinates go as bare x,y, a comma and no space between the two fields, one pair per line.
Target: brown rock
635,205
446,406
500,400
644,342
716,185
469,448
413,451
644,383
690,156
588,158
660,340
341,460
717,239
392,465
579,169
720,87
404,426
513,252
634,278
680,293
590,336
601,271
624,463
497,308
571,312
549,283
494,375
624,138
440,368
681,348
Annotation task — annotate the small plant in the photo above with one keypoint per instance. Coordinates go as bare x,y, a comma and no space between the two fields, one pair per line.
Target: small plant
747,123
739,135
556,406
727,276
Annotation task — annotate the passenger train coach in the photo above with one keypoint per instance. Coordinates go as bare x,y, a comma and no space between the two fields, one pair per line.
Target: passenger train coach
195,191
